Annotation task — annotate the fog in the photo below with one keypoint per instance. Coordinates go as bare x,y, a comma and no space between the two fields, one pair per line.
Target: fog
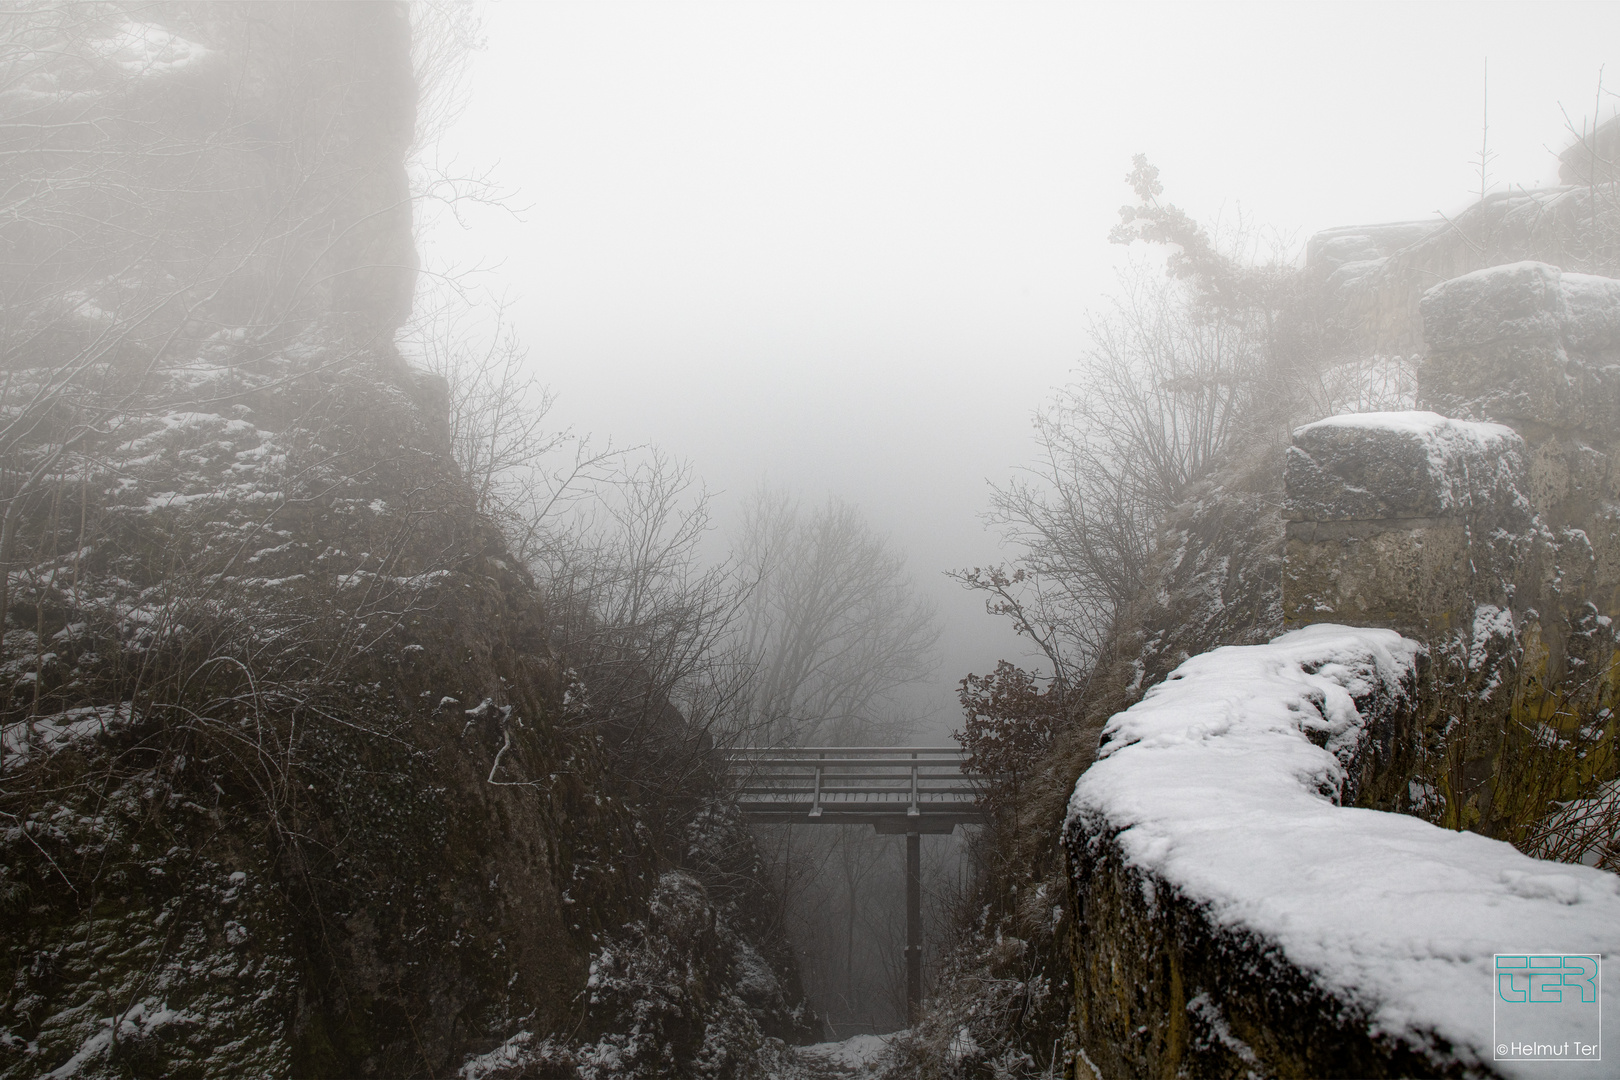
848,249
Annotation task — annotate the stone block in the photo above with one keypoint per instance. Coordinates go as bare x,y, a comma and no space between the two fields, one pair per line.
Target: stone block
1410,575
1524,343
1520,302
1397,465
1393,515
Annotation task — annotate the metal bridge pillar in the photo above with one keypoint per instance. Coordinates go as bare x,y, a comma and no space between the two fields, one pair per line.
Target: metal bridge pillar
913,925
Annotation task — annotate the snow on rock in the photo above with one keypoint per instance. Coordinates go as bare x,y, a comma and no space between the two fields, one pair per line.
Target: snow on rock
520,1055
1220,793
1521,300
1524,342
1398,465
148,50
138,1021
47,734
1349,246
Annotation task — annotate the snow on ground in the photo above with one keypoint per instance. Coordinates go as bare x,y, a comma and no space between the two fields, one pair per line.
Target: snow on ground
856,1057
47,734
1218,790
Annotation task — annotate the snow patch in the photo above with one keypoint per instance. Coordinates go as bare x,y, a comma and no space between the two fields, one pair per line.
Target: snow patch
858,1052
45,735
139,1022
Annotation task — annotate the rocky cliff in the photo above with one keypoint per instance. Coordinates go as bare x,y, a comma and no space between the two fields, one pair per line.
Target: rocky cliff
293,783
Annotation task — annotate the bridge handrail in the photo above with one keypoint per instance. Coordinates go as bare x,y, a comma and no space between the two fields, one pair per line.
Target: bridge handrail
895,764
857,763
846,750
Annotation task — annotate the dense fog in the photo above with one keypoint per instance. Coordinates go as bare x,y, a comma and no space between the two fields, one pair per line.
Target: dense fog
850,250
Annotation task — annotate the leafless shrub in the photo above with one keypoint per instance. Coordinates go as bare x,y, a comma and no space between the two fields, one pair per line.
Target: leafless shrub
1161,395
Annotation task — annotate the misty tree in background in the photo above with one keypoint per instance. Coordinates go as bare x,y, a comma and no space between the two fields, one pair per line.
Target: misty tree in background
833,632
809,631
833,626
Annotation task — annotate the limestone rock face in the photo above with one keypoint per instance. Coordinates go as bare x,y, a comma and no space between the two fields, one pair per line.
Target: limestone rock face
1525,343
1537,348
290,785
1431,526
1371,280
1333,249
267,142
1494,540
1591,159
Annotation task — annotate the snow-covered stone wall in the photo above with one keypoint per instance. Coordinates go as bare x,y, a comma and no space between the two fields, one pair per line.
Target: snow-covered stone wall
1237,914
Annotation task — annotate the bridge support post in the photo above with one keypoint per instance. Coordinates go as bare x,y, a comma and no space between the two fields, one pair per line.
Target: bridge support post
913,925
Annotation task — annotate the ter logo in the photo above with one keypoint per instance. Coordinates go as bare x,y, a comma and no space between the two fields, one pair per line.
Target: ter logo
1546,1007
1546,979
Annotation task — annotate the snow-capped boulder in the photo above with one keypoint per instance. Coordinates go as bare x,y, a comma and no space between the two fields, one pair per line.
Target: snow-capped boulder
1394,465
1408,520
1525,343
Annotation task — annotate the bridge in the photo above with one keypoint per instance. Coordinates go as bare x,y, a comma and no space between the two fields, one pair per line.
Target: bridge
907,790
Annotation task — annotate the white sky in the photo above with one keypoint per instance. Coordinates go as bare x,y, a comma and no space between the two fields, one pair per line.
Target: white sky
849,247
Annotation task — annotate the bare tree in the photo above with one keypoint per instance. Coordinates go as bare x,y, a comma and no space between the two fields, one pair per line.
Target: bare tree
528,475
634,605
1161,394
445,35
833,626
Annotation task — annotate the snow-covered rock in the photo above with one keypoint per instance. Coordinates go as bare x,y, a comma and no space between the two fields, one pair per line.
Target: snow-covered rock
1235,912
1408,520
1400,465
1524,342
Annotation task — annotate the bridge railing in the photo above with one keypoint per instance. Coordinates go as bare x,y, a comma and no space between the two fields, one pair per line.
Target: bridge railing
851,784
